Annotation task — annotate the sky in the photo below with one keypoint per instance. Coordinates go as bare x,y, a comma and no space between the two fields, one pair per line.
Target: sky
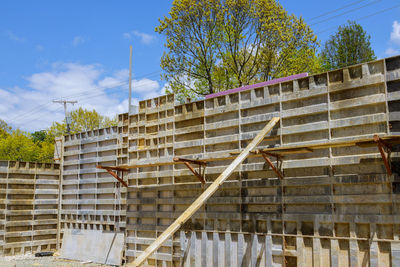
79,50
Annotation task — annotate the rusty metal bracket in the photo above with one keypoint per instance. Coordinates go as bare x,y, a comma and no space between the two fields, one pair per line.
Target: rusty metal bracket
278,159
110,171
202,165
386,158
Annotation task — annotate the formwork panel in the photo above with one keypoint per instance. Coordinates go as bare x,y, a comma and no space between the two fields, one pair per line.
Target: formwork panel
91,198
327,209
29,211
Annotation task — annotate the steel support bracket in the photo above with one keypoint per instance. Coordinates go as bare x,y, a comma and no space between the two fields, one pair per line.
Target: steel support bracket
110,171
386,158
202,166
278,160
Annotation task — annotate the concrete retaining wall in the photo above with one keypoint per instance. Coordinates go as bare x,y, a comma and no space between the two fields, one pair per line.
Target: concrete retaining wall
29,195
335,206
91,198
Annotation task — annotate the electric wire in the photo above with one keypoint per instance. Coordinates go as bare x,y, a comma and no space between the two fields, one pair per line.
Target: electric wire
335,10
81,101
344,13
41,107
364,17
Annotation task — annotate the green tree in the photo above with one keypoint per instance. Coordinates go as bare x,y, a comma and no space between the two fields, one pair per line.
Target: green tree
82,120
39,136
348,46
5,129
216,45
39,146
18,146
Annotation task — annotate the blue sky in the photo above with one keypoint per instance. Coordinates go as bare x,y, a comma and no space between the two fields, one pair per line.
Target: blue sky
79,49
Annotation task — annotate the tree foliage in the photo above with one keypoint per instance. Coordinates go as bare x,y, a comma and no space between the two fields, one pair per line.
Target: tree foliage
39,146
217,45
21,146
348,46
5,129
82,120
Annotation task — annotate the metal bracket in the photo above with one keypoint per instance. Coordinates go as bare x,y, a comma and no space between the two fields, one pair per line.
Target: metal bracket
386,158
202,167
110,171
278,162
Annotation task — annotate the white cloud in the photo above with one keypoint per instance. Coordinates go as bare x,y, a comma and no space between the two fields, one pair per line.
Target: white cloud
78,40
395,34
145,38
12,36
39,48
32,108
391,52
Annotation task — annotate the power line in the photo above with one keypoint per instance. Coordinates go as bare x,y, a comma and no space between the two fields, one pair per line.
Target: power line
346,12
41,107
333,11
364,17
88,96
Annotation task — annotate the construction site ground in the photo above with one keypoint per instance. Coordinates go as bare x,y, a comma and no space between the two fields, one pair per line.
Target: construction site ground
30,260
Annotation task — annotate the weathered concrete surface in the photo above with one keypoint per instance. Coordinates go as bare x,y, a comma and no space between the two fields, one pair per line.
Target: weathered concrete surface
336,206
28,207
93,246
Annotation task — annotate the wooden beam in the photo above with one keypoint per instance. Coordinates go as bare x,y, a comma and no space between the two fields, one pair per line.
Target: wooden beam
204,196
265,156
382,144
110,171
198,175
284,150
193,161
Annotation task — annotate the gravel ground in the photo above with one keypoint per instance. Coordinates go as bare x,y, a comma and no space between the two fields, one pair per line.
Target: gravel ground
32,261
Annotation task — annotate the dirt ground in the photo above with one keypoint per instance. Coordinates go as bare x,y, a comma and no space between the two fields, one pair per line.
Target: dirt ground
32,261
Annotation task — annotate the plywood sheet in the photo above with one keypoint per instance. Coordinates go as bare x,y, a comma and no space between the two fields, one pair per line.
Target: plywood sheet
92,245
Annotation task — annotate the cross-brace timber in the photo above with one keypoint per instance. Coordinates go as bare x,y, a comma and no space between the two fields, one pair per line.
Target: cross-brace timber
275,169
110,171
381,144
202,164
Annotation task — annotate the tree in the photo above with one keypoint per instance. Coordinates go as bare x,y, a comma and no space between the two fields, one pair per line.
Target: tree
348,46
82,120
39,136
5,129
217,45
39,146
18,146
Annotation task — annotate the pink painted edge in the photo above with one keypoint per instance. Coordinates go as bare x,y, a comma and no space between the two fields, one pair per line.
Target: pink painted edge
257,85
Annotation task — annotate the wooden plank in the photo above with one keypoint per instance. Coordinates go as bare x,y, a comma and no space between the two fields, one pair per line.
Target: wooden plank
205,195
283,150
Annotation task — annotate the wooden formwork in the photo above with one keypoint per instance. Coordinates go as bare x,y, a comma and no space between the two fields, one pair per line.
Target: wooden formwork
29,206
91,198
335,206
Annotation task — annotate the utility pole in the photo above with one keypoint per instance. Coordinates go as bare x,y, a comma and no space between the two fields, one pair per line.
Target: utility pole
67,118
130,78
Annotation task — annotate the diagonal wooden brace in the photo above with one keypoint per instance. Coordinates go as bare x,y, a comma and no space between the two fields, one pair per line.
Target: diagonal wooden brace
265,156
187,162
381,144
110,171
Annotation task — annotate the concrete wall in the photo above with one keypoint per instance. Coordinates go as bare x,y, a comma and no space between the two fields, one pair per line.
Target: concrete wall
29,195
336,206
91,198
